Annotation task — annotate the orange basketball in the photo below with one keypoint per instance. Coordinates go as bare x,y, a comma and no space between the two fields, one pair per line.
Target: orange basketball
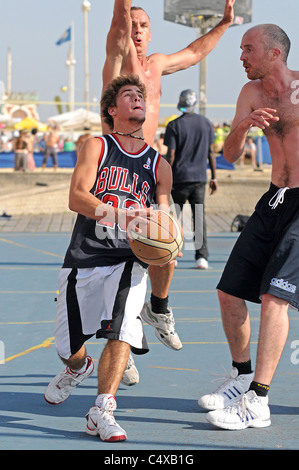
160,241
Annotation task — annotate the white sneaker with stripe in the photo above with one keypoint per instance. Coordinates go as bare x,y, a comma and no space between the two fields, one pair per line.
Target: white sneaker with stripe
229,392
250,411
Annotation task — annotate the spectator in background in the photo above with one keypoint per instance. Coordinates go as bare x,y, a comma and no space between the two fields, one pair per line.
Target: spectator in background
219,138
190,140
3,142
51,140
21,152
68,145
249,152
30,141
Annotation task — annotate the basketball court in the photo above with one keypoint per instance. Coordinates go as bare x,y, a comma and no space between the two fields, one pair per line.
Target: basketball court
161,412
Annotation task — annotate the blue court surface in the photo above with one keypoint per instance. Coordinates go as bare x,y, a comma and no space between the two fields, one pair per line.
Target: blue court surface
161,413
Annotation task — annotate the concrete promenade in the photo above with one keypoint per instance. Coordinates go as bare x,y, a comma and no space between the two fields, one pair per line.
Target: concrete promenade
38,200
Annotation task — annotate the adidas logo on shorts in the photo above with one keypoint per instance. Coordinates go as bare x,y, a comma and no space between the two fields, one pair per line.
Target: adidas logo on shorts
282,284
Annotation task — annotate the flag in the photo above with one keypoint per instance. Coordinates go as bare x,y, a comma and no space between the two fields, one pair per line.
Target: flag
65,37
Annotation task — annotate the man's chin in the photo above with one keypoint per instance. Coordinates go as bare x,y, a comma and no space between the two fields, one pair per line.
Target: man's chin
139,121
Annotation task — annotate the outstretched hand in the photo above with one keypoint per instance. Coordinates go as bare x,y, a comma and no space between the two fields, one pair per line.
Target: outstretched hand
228,16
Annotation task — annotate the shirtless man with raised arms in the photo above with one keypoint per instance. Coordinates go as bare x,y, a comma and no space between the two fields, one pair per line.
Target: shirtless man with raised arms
126,52
263,266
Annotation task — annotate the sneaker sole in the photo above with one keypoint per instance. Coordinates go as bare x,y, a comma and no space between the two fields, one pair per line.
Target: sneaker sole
131,384
162,339
147,319
94,432
257,423
54,402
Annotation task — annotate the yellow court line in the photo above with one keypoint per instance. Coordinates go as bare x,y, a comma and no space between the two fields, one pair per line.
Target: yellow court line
49,341
26,322
45,344
28,292
192,291
173,368
29,268
4,240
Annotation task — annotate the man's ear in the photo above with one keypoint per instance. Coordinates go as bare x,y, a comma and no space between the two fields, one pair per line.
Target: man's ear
112,110
276,53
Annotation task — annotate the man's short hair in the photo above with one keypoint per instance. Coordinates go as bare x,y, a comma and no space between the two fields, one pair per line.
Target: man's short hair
139,8
274,36
111,92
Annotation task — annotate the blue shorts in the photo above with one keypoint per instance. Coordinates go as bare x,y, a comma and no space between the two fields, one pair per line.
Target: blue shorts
265,258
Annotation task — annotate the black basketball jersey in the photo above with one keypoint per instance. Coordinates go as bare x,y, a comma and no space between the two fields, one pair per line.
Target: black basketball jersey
124,180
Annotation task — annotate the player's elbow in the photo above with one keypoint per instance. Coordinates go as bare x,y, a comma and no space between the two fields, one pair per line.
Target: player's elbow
73,202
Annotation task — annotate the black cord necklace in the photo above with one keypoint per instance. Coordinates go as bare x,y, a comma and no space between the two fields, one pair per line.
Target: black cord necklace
130,135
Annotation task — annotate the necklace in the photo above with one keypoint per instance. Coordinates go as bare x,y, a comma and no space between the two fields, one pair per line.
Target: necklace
130,135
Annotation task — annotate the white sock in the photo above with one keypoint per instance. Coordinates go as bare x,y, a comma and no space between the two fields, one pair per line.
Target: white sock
100,397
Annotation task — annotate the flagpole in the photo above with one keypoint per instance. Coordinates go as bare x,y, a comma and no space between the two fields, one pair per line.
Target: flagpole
86,8
70,62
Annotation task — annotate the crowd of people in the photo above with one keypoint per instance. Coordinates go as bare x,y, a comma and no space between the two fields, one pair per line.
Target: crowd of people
39,142
24,144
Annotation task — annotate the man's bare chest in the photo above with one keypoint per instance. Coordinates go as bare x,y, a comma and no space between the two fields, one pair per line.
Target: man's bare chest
286,109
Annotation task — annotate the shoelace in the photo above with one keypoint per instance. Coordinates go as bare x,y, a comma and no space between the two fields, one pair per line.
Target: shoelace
223,377
278,197
241,409
67,380
130,362
107,411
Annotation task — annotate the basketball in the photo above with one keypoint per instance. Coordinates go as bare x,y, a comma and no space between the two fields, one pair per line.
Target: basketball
160,241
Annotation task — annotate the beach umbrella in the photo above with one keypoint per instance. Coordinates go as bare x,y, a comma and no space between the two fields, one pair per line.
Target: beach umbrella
29,124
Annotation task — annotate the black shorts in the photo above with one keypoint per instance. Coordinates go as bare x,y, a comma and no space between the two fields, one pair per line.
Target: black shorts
265,258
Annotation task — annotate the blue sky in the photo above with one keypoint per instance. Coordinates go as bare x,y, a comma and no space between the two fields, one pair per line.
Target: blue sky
32,27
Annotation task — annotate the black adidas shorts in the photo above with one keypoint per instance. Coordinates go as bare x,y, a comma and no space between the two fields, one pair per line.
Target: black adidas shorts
265,258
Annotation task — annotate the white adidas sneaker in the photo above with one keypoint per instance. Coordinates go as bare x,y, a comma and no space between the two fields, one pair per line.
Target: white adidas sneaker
251,411
229,392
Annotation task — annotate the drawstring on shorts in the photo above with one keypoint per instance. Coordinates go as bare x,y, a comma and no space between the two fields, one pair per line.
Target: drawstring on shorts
279,197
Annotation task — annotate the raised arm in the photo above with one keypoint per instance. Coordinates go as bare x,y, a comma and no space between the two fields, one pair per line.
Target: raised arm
201,47
118,40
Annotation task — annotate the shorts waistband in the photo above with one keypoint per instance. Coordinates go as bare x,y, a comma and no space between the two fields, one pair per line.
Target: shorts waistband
291,192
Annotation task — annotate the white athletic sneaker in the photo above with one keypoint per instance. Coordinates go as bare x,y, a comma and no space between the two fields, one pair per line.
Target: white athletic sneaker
251,411
201,263
131,374
229,392
100,421
60,388
164,326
